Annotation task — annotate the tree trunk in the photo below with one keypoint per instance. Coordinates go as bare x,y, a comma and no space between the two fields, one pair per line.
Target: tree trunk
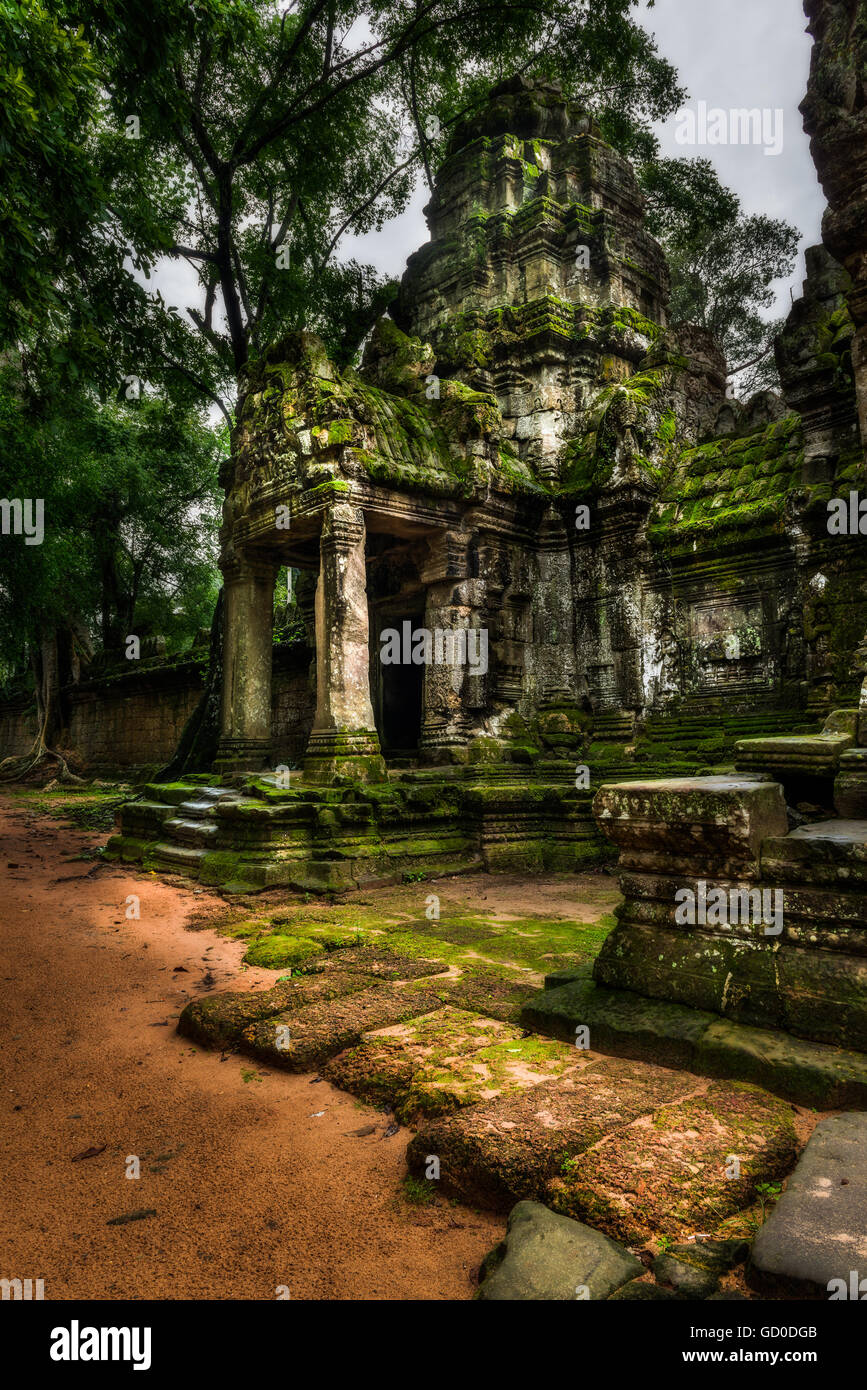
49,663
198,743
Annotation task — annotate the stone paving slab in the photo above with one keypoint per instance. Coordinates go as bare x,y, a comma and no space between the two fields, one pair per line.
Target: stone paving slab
499,1070
382,1065
443,1061
667,1173
305,1039
496,992
219,1019
817,1232
494,1154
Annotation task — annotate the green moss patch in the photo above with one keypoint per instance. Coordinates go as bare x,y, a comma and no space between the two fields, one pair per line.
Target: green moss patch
275,952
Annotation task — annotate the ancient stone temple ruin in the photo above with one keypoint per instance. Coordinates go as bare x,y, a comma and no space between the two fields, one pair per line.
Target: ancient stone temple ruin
534,536
566,601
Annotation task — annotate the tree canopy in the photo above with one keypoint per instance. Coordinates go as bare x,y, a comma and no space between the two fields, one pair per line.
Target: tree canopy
129,497
723,263
246,141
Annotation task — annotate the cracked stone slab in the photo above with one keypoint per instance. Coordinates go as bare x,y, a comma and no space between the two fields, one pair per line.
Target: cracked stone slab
306,1039
668,1173
494,1154
817,1231
549,1257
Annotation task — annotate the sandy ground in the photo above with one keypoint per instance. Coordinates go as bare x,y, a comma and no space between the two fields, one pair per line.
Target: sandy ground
251,1186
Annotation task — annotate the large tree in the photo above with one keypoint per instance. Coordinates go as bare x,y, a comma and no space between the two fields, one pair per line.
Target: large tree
248,140
128,495
49,190
723,263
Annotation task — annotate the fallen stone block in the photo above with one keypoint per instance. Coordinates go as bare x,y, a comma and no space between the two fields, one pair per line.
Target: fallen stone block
548,1257
696,1269
643,1291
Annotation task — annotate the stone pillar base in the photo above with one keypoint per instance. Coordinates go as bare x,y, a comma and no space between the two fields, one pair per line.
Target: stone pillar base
242,755
331,754
850,786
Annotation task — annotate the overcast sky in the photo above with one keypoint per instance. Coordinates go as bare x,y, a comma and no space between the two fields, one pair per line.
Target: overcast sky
730,54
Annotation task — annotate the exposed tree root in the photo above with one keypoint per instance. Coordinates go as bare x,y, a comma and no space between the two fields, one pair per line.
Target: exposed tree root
16,769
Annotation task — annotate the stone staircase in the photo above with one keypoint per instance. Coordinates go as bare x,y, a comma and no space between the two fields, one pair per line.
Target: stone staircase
192,832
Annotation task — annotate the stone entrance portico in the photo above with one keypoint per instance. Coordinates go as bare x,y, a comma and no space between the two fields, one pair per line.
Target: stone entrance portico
343,740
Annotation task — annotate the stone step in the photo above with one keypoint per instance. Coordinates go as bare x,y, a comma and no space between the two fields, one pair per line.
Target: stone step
815,1233
177,858
629,1025
191,831
197,810
495,1154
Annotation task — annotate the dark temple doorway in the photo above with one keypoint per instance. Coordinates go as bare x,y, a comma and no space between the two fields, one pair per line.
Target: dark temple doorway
400,690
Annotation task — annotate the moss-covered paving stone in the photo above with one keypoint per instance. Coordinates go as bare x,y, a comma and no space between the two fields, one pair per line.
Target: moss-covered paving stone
303,1040
442,1061
500,1069
668,1174
493,990
494,1154
219,1019
383,1064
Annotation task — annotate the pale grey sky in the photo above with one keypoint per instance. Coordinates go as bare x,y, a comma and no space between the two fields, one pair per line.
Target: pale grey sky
730,54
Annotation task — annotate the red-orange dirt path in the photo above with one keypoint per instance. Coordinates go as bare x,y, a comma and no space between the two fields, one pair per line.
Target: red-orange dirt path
256,1190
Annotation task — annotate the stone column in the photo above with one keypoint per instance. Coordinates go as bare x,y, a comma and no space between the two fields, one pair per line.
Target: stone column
343,741
245,717
446,721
